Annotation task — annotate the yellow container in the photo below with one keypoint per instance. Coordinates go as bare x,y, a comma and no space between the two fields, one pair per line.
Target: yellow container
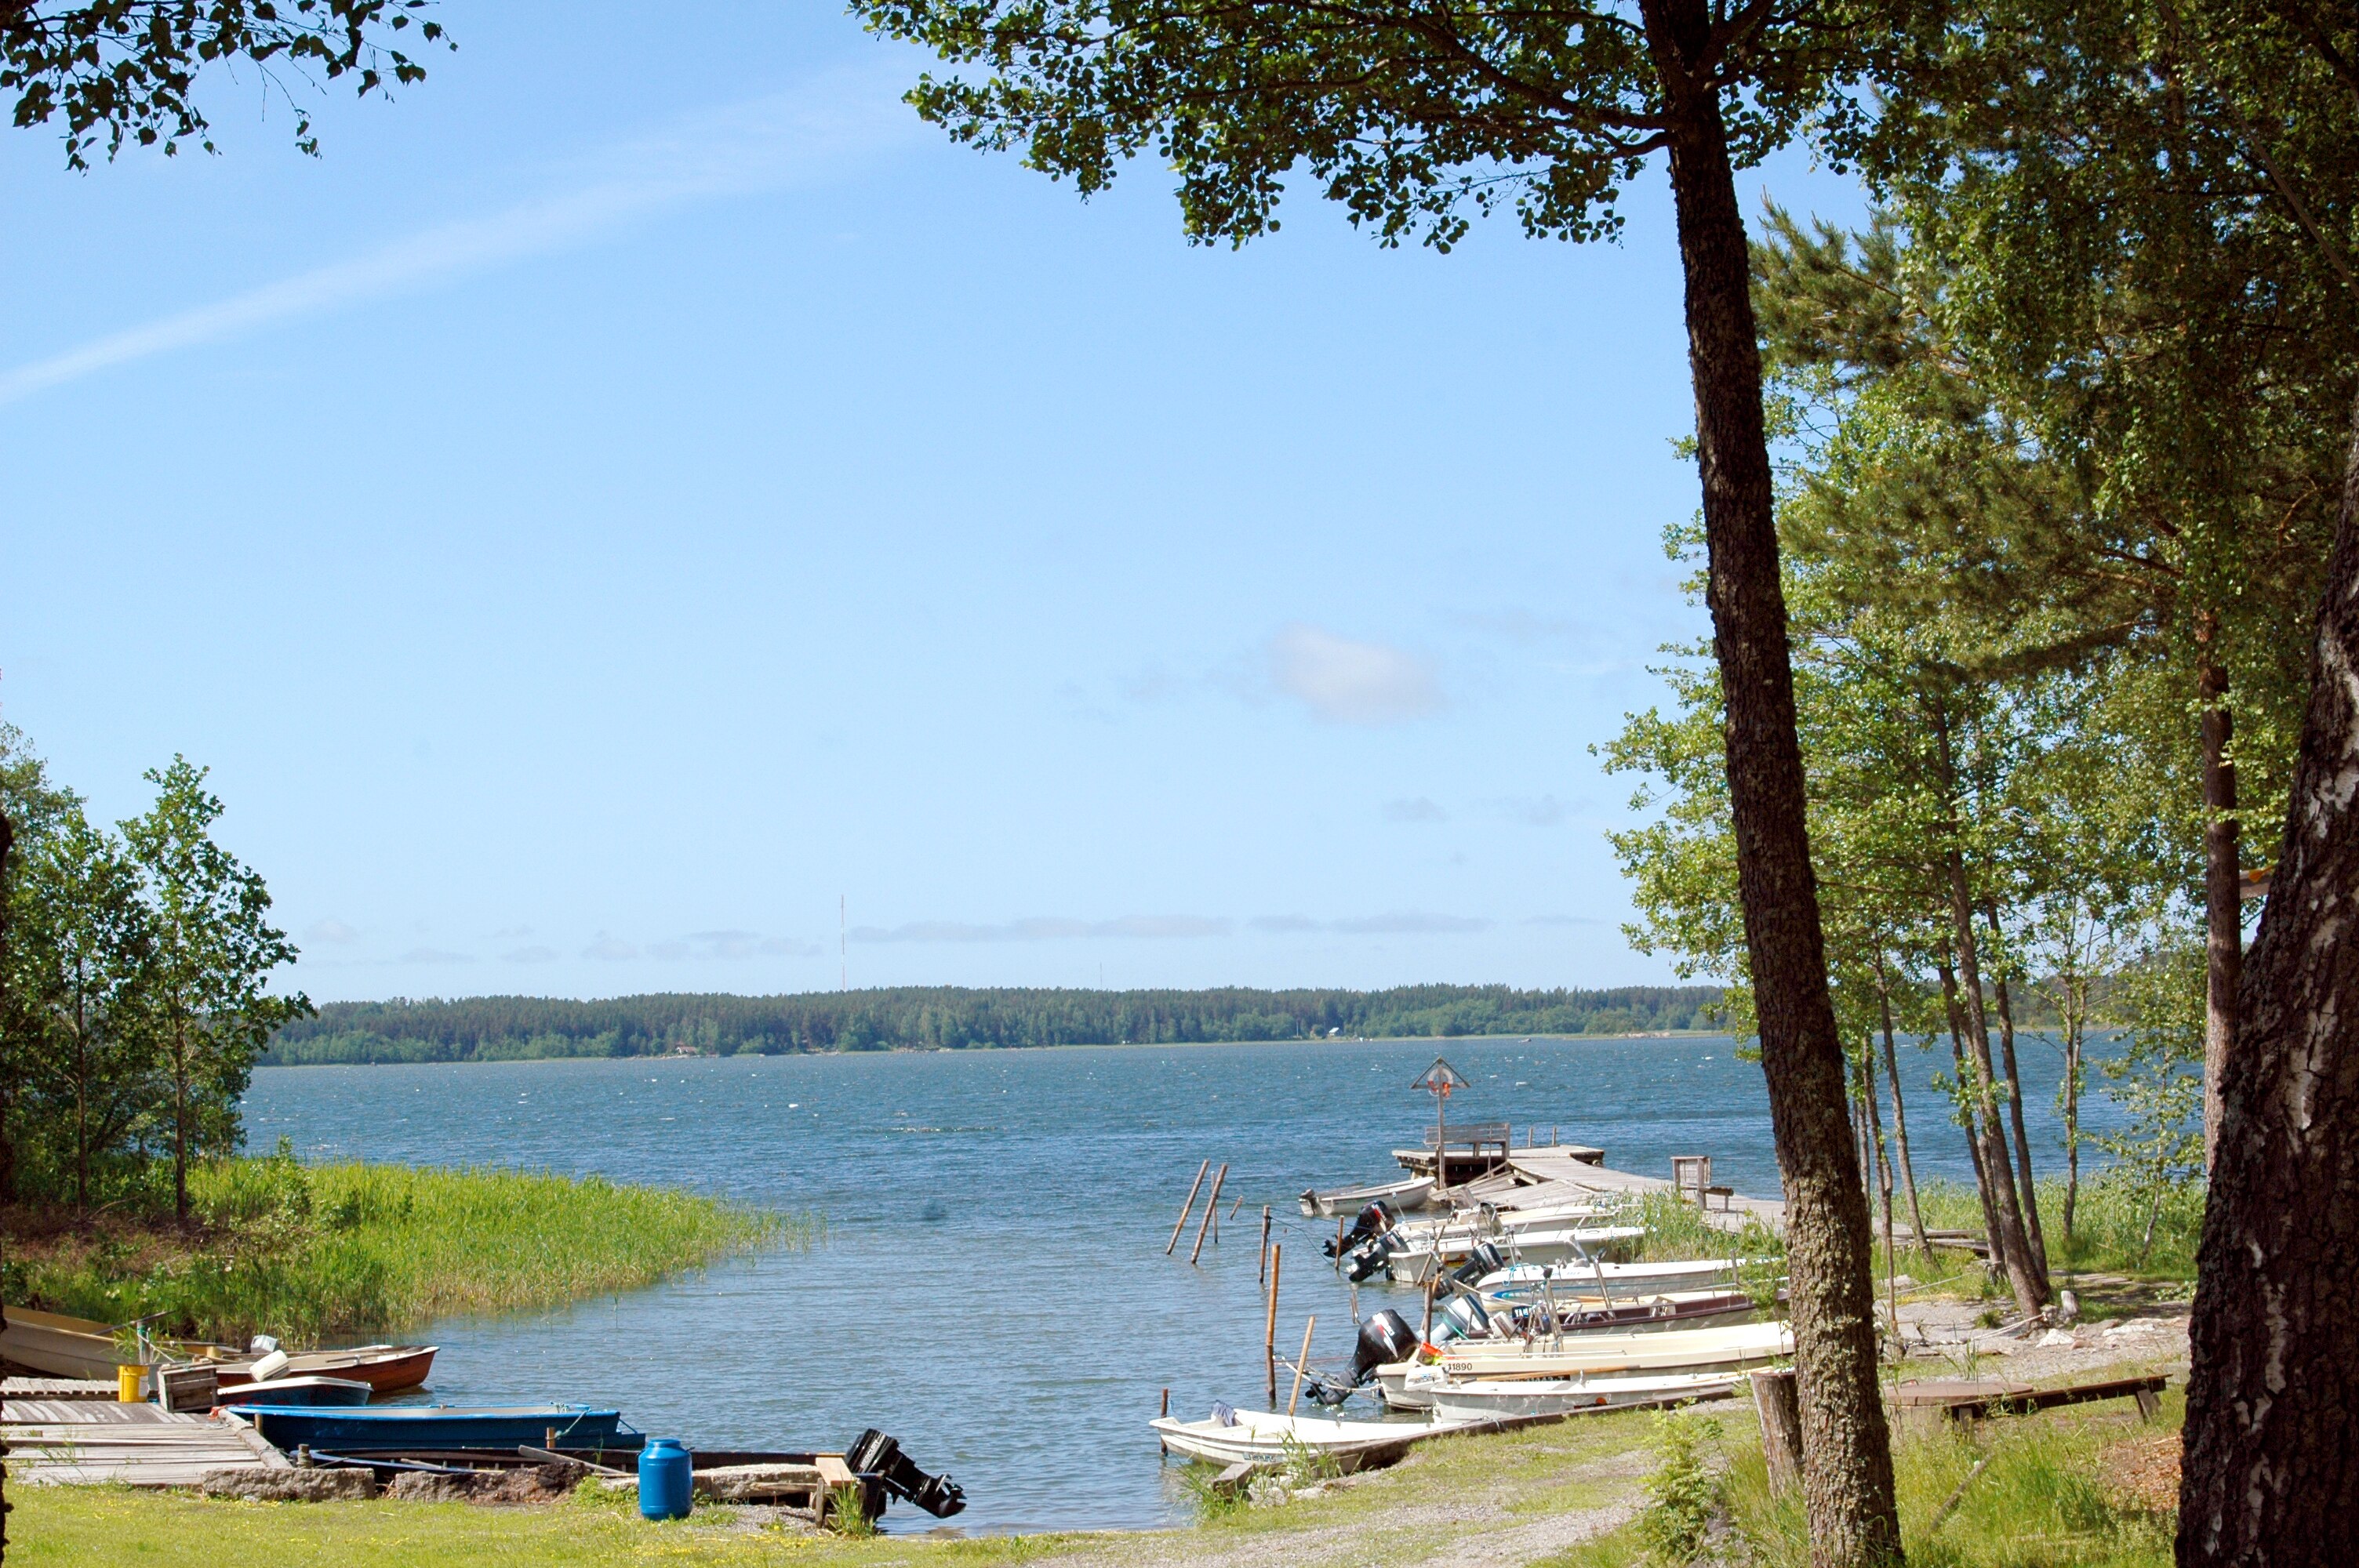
126,1385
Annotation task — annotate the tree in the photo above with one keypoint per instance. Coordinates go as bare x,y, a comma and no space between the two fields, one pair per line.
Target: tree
127,70
1412,112
31,809
206,1003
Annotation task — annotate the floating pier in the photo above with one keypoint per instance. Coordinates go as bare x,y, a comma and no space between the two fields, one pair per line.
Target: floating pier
1482,1160
83,1441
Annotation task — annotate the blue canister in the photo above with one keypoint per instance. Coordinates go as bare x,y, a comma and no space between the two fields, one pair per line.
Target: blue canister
666,1485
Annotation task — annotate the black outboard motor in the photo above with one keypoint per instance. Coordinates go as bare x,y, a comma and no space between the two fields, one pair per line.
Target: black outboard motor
874,1453
1384,1339
1374,1220
1368,1258
1483,1262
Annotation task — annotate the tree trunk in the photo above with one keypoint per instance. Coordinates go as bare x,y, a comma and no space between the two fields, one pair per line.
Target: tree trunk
1969,1120
2009,1243
1899,1111
2027,1188
2072,1033
180,1127
1846,1448
2269,1472
2224,915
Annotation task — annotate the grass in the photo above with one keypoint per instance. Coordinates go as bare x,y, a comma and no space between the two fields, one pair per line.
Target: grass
318,1253
2109,1223
2046,1498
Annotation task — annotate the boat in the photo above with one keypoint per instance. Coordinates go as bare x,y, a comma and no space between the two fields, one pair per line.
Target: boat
65,1346
385,1369
1529,1281
1405,1196
1409,1385
1413,1265
315,1391
1263,1437
381,1428
1487,1400
1472,1315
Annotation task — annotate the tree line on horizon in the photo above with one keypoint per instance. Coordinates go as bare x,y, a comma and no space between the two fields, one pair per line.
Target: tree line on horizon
508,1028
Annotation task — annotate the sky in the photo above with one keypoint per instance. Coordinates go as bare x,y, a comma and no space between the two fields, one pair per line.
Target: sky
642,512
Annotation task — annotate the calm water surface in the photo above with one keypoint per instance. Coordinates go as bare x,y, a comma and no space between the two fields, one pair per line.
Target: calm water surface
993,1289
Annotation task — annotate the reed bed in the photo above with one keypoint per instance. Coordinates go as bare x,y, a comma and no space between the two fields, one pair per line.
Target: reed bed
320,1253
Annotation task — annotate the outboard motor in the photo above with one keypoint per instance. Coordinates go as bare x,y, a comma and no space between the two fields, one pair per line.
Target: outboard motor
1368,1258
1384,1339
1481,1264
874,1453
1374,1220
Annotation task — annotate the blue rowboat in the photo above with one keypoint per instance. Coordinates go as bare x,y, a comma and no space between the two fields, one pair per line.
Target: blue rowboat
298,1392
393,1428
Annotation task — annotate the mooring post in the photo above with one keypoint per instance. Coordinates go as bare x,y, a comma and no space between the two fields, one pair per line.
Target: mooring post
1181,1223
1269,1322
1301,1358
1211,1211
1261,1274
1425,1330
1338,1243
1166,1409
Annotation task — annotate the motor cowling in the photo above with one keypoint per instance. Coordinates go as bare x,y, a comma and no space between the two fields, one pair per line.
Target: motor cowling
1483,1262
874,1453
1384,1339
1374,1220
1368,1258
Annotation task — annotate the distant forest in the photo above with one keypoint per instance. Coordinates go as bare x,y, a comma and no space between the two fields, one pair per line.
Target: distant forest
509,1027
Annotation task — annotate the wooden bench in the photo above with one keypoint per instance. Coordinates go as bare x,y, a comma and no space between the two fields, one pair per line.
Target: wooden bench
1969,1400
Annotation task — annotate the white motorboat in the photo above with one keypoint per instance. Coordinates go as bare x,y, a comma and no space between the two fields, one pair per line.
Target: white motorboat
1264,1437
1486,1400
1409,1385
1404,1197
1594,1276
1472,1315
1412,1265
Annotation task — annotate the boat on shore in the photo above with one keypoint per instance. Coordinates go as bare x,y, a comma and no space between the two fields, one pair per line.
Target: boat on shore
1486,1400
1264,1437
64,1347
1414,1264
1473,1315
305,1390
1531,1280
1410,1385
1405,1196
408,1428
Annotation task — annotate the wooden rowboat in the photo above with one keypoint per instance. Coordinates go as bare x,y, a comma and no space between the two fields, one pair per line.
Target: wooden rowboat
66,1347
385,1369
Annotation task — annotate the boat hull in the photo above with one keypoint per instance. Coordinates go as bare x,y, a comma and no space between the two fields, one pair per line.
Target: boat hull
1485,1400
1409,1385
1406,1197
392,1428
385,1369
1262,1438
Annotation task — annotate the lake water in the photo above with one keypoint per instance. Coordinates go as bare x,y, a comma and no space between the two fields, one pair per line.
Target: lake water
991,1289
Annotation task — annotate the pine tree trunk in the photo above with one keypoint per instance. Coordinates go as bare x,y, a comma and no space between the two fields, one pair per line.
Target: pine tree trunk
1969,1122
2007,1241
2028,1189
1846,1448
2269,1472
2072,1124
180,1127
1899,1110
2224,915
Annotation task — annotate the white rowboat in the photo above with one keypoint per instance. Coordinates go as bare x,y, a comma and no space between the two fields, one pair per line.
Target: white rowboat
1404,1196
1488,1400
1262,1437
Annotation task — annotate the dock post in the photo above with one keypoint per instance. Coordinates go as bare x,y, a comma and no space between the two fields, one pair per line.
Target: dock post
1166,1409
1269,1323
1425,1330
1338,1243
1300,1358
1181,1223
1261,1274
1211,1211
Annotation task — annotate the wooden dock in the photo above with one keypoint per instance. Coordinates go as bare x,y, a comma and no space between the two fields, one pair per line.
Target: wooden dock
1550,1173
68,1442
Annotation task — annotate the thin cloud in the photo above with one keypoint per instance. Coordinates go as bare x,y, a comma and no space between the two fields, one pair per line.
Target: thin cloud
529,956
763,144
1283,923
610,948
1136,927
1348,682
1410,924
1418,810
434,956
334,931
1561,920
1544,811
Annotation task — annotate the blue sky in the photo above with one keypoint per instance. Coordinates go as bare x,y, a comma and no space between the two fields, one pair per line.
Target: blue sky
643,485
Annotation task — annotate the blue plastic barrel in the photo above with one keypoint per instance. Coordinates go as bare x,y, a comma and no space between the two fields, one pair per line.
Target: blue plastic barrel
665,1484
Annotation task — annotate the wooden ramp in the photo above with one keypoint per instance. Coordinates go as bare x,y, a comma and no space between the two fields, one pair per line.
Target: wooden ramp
73,1442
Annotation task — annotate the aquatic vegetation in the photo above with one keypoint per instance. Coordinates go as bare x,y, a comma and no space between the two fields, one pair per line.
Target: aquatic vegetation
326,1252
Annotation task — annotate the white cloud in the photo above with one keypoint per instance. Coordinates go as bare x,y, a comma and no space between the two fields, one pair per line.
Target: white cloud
1348,682
1418,810
434,956
332,930
1148,927
770,142
610,948
1546,811
1402,924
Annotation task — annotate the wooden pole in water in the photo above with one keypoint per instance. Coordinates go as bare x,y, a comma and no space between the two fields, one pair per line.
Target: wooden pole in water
1338,1243
1212,1208
1239,1203
1167,1404
1181,1224
1425,1331
1261,1275
1269,1323
1300,1356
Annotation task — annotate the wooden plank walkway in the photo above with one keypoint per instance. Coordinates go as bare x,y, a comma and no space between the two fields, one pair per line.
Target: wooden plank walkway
71,1441
1567,1174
